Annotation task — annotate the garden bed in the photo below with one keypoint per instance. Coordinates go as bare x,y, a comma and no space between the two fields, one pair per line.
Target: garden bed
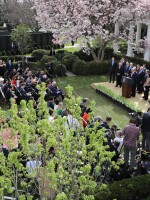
117,99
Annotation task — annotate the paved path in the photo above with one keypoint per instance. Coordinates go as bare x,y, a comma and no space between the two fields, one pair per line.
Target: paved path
68,73
137,100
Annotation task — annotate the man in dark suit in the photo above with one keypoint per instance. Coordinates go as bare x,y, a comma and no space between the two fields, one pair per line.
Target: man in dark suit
119,74
23,94
140,80
113,66
49,69
9,68
146,131
134,76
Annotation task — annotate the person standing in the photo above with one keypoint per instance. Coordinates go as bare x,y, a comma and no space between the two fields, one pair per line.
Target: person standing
140,80
52,52
146,86
9,68
119,74
131,135
113,66
146,131
134,76
2,65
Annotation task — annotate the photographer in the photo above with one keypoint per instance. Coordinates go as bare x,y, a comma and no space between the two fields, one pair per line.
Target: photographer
131,135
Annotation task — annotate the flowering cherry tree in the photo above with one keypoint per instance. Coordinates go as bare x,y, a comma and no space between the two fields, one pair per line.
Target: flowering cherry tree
85,19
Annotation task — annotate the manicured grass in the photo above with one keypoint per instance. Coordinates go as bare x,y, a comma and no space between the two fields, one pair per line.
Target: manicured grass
104,107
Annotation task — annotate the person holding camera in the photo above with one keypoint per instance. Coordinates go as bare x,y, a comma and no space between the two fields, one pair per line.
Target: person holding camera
131,136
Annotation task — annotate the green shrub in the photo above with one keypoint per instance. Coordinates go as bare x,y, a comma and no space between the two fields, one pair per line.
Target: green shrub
39,53
83,56
60,54
34,66
0,53
68,60
18,58
59,68
79,67
4,53
4,58
108,53
46,58
90,68
12,58
127,189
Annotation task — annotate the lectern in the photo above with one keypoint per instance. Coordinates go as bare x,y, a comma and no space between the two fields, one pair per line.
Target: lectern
126,86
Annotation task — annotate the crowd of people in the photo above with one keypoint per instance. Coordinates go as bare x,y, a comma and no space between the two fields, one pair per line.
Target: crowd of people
139,74
21,83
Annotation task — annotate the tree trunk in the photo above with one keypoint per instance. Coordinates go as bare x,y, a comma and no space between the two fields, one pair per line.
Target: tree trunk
102,54
92,52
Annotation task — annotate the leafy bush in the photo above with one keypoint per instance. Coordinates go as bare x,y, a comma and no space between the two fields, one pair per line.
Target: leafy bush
80,67
90,68
4,58
83,56
108,53
123,46
18,58
4,53
60,54
34,66
39,53
12,58
68,60
59,68
46,58
127,189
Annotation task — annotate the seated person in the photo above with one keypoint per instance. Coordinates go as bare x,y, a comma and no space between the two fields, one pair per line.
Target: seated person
106,123
55,90
119,139
51,103
10,93
23,94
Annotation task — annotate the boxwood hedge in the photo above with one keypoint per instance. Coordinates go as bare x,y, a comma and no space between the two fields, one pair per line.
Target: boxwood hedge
128,189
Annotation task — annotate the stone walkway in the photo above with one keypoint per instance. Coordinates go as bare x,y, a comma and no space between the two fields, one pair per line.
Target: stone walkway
137,100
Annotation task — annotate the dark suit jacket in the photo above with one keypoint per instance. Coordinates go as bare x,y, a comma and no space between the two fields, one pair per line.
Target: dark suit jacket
113,67
120,71
9,66
134,77
146,122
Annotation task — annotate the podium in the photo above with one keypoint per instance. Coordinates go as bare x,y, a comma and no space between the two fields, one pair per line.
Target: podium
126,86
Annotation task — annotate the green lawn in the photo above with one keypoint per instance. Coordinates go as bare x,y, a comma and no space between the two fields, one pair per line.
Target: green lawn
104,107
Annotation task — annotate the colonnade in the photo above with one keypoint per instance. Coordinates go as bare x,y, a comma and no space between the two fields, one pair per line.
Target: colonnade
131,41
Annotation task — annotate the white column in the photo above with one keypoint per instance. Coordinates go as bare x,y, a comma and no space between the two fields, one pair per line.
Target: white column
130,40
147,48
116,33
138,32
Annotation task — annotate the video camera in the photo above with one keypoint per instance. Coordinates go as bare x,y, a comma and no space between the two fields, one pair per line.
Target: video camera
137,116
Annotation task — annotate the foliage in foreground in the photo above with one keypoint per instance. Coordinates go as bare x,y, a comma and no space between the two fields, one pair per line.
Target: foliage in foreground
71,172
127,189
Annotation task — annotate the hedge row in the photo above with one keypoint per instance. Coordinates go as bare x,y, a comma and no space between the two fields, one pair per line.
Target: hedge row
127,189
12,58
